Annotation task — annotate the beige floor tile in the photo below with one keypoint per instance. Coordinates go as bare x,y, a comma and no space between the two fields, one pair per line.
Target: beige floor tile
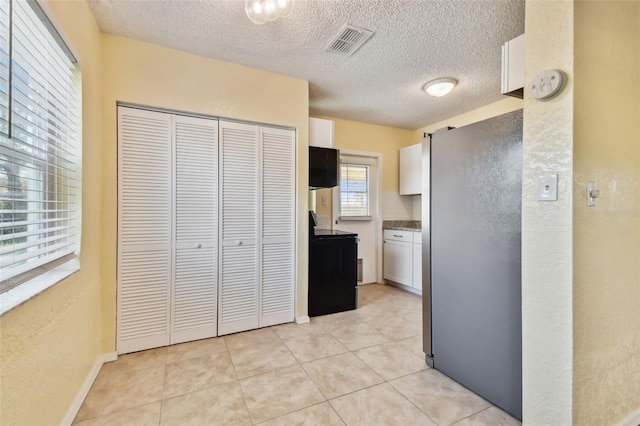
123,390
287,331
359,335
334,321
414,344
398,328
314,346
279,392
378,405
220,405
316,415
197,373
261,359
251,338
439,397
195,349
341,374
492,416
146,415
134,361
415,316
391,360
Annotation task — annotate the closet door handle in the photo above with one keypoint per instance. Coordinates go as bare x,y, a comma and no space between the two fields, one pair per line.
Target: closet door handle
198,245
239,243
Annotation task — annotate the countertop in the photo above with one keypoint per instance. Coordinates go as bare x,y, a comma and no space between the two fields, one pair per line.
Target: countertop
332,233
404,228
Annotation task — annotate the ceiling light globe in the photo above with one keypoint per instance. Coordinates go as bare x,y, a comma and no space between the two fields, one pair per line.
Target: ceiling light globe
440,87
255,11
271,10
285,7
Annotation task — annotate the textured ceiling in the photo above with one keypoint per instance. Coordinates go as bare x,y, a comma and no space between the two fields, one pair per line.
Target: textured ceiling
414,42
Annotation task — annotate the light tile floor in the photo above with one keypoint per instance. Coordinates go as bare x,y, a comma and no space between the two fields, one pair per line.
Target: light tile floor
362,367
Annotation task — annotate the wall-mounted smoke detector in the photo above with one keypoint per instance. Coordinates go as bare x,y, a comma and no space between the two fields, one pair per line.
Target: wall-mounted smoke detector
348,40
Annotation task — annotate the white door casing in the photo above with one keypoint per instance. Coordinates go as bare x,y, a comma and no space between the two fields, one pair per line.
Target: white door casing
369,231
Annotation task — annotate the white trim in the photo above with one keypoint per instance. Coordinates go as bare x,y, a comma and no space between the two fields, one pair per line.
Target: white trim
29,289
377,209
634,420
84,390
303,320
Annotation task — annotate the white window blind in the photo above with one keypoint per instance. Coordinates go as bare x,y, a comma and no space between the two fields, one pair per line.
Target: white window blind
354,191
39,146
4,67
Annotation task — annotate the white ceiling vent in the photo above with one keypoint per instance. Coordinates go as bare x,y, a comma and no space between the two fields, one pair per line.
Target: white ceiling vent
348,40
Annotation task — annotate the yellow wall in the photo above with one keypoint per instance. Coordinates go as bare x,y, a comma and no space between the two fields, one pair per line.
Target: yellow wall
500,107
147,74
357,136
606,238
50,344
546,226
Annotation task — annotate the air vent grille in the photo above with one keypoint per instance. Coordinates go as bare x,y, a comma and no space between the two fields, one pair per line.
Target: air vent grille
348,40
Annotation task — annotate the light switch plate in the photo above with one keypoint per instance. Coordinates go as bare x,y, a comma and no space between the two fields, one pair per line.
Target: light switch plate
548,188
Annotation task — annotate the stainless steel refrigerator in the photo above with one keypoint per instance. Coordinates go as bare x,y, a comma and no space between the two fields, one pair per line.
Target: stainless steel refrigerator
471,223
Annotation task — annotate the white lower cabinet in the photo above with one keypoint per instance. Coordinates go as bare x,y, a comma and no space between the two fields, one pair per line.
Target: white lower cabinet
403,257
206,228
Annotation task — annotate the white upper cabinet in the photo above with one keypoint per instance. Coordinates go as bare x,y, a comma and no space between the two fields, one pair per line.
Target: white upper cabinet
320,132
513,67
411,170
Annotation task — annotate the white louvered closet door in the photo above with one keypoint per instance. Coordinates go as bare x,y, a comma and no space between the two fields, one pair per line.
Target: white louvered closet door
194,293
144,229
238,289
278,226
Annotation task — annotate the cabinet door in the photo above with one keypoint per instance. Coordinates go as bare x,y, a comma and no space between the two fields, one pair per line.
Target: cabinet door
238,290
278,226
411,170
417,266
398,260
144,229
194,292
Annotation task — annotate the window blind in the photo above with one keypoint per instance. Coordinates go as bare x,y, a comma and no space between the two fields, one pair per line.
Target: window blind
39,163
4,67
354,190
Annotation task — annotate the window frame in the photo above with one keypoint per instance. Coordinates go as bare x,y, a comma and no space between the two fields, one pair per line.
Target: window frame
53,172
363,217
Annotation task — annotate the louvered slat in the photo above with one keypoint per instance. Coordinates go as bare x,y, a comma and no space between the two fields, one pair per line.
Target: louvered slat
144,231
239,276
239,180
278,226
194,301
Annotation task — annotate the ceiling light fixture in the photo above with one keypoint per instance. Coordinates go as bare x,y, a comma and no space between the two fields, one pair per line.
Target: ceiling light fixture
261,11
440,86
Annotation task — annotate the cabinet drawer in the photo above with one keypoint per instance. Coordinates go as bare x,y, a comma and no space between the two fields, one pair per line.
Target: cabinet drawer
397,235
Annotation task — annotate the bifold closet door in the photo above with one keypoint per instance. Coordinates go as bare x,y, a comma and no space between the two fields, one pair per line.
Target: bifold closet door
194,302
278,226
238,288
144,229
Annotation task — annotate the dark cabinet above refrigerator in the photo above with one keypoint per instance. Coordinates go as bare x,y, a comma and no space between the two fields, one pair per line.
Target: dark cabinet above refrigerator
323,167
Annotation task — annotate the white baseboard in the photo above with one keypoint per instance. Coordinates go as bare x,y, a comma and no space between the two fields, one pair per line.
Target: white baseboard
82,394
634,420
303,320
